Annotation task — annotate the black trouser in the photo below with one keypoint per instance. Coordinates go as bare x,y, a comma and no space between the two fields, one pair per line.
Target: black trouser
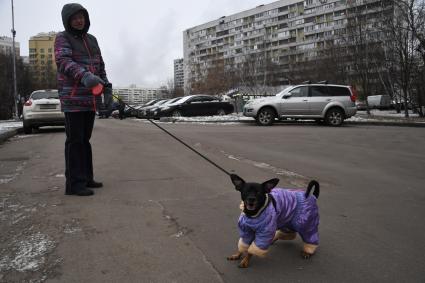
78,153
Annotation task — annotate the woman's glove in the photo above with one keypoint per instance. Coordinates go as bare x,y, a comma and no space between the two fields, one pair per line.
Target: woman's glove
89,80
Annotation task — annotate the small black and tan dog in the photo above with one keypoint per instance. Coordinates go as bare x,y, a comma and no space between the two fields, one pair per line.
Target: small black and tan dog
271,214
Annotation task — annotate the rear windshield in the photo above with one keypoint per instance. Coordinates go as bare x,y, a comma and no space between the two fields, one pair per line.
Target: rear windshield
44,94
338,91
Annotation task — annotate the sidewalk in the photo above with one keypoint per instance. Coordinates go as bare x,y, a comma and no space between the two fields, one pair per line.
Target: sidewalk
9,128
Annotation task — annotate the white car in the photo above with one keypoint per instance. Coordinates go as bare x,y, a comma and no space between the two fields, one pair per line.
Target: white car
43,108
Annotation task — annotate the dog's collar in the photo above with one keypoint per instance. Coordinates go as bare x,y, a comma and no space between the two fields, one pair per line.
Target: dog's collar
266,203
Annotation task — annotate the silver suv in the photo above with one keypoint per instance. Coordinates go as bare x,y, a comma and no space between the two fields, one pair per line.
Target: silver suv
321,102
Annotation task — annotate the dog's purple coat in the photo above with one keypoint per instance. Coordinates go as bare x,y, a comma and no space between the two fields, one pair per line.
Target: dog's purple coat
293,212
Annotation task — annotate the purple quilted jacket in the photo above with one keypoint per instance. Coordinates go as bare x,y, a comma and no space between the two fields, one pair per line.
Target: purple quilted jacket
77,52
293,212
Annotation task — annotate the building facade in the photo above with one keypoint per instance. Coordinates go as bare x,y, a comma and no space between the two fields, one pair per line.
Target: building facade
137,95
6,45
178,74
282,33
42,57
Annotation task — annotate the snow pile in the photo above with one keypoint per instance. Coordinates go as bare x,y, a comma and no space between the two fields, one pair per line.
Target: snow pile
9,125
387,113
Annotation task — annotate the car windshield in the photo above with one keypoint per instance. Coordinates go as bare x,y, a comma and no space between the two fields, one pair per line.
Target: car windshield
150,102
161,102
45,94
171,101
175,101
185,98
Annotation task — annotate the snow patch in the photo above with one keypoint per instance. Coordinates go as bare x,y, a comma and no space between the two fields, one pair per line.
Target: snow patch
7,178
29,254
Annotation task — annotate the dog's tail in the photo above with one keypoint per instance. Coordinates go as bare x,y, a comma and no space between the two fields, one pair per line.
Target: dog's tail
313,184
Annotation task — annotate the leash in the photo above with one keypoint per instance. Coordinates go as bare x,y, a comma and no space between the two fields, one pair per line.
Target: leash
179,140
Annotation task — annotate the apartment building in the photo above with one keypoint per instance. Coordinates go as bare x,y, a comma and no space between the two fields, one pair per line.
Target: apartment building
285,32
6,45
137,95
178,74
42,57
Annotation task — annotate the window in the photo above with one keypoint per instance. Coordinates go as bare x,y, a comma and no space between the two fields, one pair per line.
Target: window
317,91
301,91
339,91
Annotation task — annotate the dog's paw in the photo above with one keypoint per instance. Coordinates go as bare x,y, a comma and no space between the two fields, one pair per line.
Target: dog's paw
234,257
306,255
244,263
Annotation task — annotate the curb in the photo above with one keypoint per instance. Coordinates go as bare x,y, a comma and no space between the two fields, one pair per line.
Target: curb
8,134
371,123
380,123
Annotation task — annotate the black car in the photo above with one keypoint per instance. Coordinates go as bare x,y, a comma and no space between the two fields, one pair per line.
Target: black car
194,105
150,110
143,111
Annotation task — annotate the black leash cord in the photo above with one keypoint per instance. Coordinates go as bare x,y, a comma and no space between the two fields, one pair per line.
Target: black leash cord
185,144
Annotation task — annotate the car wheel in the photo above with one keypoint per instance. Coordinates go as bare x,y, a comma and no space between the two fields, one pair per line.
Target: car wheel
334,117
221,112
27,128
177,113
265,117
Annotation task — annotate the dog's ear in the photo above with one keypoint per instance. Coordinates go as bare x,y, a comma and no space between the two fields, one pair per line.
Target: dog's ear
270,184
237,181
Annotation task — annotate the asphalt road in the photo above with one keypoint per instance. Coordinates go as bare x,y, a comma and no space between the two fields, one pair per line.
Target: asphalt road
166,215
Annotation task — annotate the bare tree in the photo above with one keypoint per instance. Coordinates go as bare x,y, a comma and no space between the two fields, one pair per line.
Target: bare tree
405,45
363,40
24,84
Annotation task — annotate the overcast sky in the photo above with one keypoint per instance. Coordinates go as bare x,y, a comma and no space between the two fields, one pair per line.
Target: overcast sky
139,39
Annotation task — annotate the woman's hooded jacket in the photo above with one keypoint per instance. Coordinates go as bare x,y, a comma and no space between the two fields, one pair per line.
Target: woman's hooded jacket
77,52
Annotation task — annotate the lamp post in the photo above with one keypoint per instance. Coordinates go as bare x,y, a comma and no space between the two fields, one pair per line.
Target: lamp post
15,95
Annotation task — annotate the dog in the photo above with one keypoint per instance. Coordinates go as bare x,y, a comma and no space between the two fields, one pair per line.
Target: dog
271,214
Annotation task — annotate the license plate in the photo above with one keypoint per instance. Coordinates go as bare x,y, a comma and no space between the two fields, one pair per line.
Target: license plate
48,106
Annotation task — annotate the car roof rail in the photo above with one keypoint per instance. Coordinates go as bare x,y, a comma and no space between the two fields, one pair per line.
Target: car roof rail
306,82
323,82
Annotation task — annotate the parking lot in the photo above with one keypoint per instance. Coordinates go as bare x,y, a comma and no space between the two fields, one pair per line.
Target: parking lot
166,215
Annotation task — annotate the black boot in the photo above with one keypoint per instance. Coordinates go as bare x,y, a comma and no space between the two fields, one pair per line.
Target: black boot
94,184
81,192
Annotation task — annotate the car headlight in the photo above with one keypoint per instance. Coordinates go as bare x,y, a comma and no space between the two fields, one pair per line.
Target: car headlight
164,108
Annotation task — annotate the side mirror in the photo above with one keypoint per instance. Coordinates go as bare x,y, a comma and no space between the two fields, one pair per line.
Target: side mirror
286,95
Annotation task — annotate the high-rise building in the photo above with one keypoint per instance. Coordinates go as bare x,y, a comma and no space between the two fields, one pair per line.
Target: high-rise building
6,45
42,57
178,74
137,95
282,33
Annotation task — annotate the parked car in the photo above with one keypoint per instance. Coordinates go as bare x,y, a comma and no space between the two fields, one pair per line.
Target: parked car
379,101
143,112
361,105
321,101
43,108
194,105
150,110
